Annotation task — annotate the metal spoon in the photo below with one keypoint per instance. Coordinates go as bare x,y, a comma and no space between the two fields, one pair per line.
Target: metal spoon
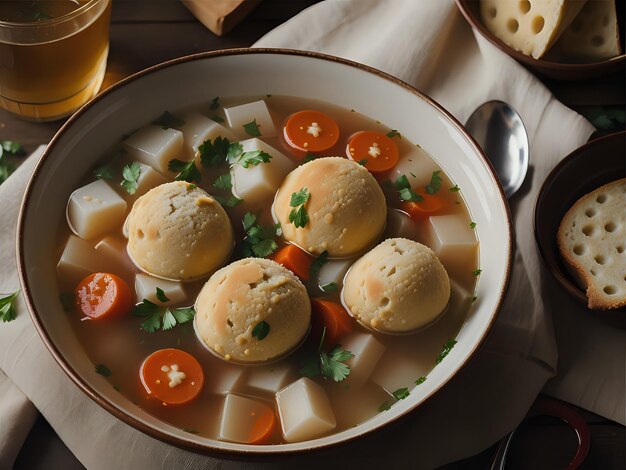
500,132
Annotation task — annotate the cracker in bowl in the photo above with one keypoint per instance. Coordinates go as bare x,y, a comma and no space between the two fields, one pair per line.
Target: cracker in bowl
592,242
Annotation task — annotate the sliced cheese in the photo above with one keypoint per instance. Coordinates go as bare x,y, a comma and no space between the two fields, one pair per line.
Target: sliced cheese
593,35
529,26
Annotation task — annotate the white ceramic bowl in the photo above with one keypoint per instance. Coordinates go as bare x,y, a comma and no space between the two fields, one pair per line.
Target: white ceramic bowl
183,82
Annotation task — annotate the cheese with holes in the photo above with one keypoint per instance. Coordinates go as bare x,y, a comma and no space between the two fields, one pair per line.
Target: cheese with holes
529,26
593,35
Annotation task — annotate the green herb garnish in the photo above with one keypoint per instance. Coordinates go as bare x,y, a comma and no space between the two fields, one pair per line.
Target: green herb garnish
477,272
261,330
103,370
435,183
446,349
236,155
158,318
260,239
167,120
401,393
386,406
455,188
7,307
229,201
223,182
404,189
187,171
67,301
214,153
317,264
161,295
394,133
252,129
310,157
329,365
215,103
420,380
330,287
11,148
472,225
362,162
131,174
298,215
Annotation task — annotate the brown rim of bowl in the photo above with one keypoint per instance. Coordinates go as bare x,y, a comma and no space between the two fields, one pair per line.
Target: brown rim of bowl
193,446
558,274
520,57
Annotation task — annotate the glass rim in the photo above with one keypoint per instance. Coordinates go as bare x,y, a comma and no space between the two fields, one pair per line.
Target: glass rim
51,21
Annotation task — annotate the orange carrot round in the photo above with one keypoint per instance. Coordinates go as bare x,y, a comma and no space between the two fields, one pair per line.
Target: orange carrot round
103,295
378,152
311,131
333,317
264,427
431,204
295,259
172,376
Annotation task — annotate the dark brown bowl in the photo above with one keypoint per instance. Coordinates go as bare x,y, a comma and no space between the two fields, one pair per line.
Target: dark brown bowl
546,68
598,162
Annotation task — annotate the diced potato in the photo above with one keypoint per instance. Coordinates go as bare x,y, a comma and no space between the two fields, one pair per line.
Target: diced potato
155,146
259,183
417,166
113,250
396,370
367,351
334,271
146,285
148,178
271,378
239,418
94,209
401,225
197,129
79,259
225,379
304,410
454,242
349,411
238,116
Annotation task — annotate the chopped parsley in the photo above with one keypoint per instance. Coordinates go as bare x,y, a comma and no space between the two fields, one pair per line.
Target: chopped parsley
103,370
330,287
477,272
260,239
298,215
446,349
187,171
236,155
310,157
223,182
386,406
472,225
7,307
215,103
329,365
252,129
420,380
317,264
167,120
131,174
214,152
158,318
394,133
261,330
230,201
161,295
435,183
455,188
401,393
362,162
67,301
404,189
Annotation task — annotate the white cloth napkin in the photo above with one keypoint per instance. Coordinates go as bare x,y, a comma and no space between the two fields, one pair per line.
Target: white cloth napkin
428,44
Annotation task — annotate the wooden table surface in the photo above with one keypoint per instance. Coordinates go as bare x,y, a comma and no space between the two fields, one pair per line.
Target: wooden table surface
146,32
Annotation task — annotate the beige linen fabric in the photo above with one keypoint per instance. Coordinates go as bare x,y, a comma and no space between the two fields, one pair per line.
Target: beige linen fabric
426,43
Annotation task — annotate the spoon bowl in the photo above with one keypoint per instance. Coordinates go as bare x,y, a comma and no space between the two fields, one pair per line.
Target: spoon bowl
500,132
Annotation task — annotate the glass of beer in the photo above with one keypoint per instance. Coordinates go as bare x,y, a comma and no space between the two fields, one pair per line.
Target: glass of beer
52,55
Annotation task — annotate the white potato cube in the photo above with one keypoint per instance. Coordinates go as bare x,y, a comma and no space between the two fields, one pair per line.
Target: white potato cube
79,259
238,116
148,178
239,418
260,182
95,209
271,378
334,271
401,225
305,411
396,370
112,251
197,129
417,166
349,411
146,285
225,379
367,351
155,146
454,242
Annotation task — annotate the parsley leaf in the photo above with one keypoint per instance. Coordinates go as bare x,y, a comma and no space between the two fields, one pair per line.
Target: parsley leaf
477,272
401,393
317,264
67,301
260,239
214,152
472,225
332,366
230,201
310,157
362,162
455,188
159,318
7,307
435,182
131,174
404,189
394,133
299,216
215,103
167,120
183,314
330,287
420,380
169,321
310,367
223,182
386,406
103,370
11,148
161,295
252,129
187,170
261,330
236,155
446,349
249,219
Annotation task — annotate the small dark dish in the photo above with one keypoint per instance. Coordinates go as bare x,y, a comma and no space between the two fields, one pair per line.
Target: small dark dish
587,168
556,70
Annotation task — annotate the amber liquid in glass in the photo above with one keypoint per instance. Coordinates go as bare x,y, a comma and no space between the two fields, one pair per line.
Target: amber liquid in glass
50,77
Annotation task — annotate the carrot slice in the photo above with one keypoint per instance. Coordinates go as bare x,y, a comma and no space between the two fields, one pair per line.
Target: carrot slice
264,427
333,317
311,131
379,152
172,376
430,205
295,259
103,295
